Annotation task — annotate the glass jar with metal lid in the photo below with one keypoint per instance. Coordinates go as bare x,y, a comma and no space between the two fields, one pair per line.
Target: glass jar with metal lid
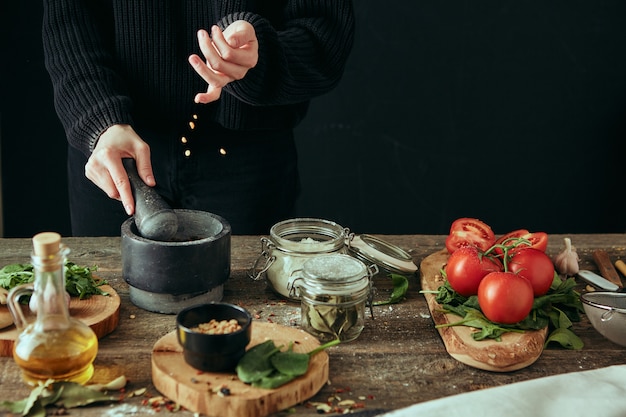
395,266
389,258
334,291
293,242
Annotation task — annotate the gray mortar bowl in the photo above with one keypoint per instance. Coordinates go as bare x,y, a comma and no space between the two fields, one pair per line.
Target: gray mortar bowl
165,277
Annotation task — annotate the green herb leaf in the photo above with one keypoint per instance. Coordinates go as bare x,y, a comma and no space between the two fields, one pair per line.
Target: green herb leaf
273,380
255,363
79,280
566,338
67,394
475,318
556,310
76,395
265,366
400,286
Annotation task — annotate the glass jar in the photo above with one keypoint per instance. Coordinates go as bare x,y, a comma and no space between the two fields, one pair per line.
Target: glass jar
334,291
292,243
389,258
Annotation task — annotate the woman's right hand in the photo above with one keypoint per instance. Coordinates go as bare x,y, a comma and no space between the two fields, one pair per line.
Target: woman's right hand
105,169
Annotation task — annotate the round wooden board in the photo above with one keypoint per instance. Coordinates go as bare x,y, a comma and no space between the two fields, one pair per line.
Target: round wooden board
194,389
515,350
100,312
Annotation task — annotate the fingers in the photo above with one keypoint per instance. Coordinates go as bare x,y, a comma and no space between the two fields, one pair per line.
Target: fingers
144,167
108,173
237,44
105,169
211,76
119,177
227,55
212,94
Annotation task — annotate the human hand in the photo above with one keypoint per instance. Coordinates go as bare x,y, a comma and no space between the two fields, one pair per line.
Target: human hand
228,54
105,169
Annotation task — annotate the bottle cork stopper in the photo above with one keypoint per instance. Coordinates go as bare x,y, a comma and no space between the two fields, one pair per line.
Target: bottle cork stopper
46,244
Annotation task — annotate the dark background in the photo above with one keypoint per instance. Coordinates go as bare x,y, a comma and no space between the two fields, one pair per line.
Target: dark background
512,112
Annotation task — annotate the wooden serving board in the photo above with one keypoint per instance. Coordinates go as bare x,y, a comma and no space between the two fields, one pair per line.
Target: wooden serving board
100,312
515,350
194,389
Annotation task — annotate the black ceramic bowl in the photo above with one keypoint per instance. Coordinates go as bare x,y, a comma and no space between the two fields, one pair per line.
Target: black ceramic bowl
213,352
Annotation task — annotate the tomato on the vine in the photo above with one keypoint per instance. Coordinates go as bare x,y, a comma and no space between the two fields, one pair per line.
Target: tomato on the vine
534,265
537,240
466,267
467,231
505,297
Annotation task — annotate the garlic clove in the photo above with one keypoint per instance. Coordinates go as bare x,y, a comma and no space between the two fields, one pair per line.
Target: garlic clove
566,262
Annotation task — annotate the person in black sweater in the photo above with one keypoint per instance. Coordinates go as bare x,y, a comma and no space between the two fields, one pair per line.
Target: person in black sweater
204,95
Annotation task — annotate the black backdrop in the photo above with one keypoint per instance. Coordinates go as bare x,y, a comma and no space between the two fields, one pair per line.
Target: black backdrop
513,112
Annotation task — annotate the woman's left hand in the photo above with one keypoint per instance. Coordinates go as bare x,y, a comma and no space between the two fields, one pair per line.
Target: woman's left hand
228,56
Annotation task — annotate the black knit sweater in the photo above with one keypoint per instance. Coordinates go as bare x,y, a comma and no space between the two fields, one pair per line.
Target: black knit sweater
125,62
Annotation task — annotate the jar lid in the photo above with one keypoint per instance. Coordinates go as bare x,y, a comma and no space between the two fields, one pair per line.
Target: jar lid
336,273
387,256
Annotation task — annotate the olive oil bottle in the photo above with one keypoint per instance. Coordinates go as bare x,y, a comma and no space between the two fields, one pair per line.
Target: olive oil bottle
54,345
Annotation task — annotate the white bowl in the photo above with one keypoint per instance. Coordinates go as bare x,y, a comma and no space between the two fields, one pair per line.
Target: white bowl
607,313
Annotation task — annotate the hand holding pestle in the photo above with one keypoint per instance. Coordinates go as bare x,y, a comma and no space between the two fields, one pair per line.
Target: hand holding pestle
153,216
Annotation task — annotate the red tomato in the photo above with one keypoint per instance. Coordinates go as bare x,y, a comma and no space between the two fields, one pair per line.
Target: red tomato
511,235
535,266
466,267
505,297
537,240
467,231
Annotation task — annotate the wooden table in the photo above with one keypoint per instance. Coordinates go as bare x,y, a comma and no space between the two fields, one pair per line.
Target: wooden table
399,359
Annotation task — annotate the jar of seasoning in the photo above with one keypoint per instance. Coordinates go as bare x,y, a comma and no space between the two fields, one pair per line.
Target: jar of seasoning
291,243
334,291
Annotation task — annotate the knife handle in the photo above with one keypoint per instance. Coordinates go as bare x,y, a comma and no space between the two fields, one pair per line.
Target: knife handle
607,270
621,266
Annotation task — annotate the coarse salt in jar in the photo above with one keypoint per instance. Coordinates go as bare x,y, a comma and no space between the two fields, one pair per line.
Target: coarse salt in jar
334,291
293,242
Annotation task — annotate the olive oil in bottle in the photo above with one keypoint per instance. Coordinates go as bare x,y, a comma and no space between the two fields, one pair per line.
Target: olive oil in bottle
54,345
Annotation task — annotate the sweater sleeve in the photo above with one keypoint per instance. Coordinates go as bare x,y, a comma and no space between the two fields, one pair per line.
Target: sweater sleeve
302,54
88,95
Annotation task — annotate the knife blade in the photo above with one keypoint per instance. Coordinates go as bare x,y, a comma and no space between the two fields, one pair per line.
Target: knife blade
599,281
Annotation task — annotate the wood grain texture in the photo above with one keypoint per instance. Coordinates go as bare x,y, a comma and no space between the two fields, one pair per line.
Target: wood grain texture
515,350
196,390
398,360
100,312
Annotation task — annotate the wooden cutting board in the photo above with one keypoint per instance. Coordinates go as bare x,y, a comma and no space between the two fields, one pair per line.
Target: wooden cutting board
100,312
515,350
195,389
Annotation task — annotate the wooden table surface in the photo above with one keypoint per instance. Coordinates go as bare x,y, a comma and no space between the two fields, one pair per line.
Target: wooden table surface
398,360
